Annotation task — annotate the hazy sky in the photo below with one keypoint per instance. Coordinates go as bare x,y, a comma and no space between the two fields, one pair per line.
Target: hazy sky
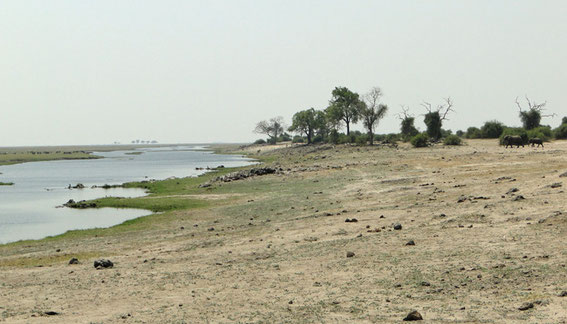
95,72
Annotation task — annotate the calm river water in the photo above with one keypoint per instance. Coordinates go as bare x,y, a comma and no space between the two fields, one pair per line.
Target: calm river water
28,209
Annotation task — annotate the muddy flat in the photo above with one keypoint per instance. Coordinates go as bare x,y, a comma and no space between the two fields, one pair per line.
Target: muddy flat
483,239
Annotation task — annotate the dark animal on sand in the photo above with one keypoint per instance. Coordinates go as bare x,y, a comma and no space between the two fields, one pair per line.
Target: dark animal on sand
534,141
510,140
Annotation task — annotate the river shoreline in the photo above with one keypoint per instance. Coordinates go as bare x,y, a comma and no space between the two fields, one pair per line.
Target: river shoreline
117,191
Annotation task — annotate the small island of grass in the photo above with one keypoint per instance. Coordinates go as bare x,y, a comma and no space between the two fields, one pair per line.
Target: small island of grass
6,183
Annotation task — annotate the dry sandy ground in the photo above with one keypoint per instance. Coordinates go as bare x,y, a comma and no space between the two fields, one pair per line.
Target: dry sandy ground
278,255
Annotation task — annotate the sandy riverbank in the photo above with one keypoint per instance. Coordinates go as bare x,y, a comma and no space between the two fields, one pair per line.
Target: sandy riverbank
273,248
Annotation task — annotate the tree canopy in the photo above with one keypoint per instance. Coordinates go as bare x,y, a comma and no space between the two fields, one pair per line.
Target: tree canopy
371,111
345,106
272,128
306,122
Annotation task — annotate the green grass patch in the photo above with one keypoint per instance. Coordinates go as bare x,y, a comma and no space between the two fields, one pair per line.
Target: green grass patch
7,158
155,204
6,183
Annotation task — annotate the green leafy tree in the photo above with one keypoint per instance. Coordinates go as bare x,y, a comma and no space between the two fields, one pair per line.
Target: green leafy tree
344,106
564,120
273,128
531,118
305,122
371,111
407,127
434,118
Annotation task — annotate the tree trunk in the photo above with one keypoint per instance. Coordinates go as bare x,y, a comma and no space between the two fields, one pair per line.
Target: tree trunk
371,138
347,129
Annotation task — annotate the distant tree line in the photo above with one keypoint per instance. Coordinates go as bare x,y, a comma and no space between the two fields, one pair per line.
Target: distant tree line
347,108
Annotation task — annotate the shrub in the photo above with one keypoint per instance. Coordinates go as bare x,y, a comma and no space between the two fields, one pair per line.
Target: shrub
420,140
334,137
271,141
452,140
492,129
561,131
318,139
473,132
298,139
285,137
260,141
460,133
542,132
362,139
564,120
514,131
387,138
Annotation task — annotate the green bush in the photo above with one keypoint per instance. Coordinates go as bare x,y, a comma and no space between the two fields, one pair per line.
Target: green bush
514,131
492,129
560,132
318,139
473,132
387,138
298,139
334,136
420,140
452,140
362,139
542,132
285,137
260,141
460,133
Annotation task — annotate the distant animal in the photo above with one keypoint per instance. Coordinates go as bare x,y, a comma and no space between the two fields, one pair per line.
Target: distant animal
534,141
510,140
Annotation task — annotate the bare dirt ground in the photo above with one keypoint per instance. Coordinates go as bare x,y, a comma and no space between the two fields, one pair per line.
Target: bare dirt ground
489,226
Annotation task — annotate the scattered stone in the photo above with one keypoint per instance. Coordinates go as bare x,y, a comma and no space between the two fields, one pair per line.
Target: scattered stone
103,263
413,316
563,175
74,261
351,220
397,226
556,185
410,242
425,284
512,190
349,254
526,306
563,294
51,313
462,199
79,205
211,229
518,198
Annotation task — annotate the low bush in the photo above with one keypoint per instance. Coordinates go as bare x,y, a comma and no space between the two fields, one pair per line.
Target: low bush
260,141
420,140
298,139
542,132
492,129
452,140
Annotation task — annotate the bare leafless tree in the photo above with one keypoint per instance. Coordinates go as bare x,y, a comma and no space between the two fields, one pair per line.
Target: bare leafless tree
272,128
